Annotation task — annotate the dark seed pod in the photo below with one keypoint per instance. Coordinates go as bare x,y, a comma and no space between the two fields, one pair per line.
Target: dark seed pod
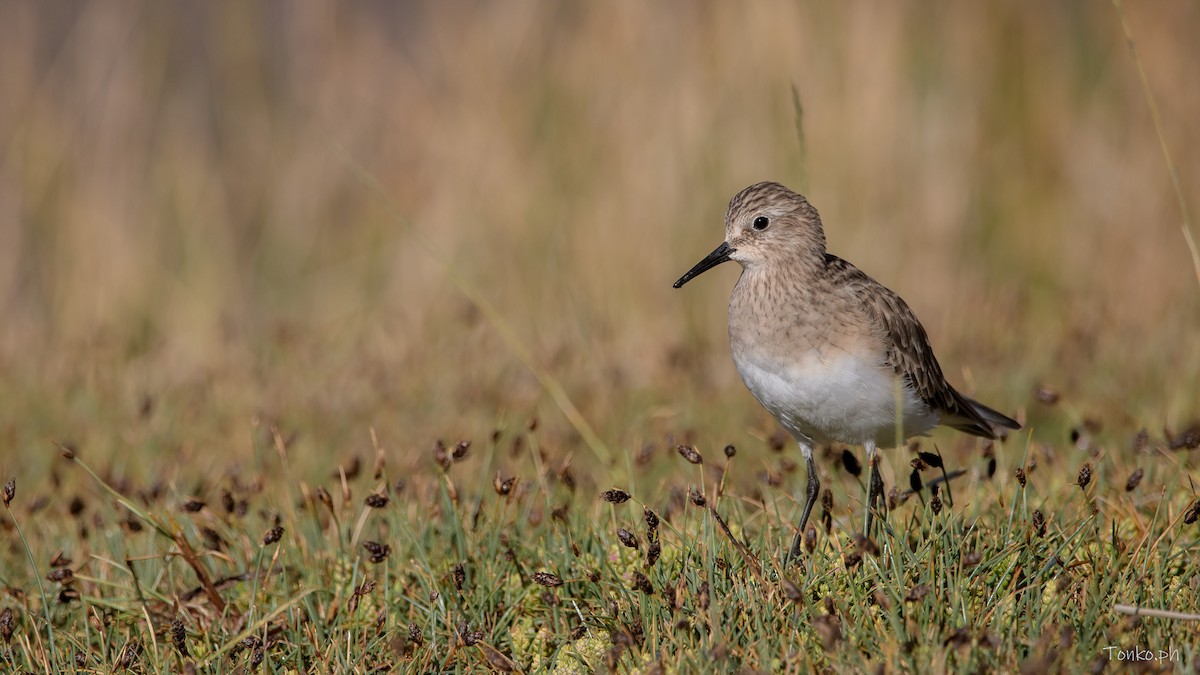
461,450
62,575
1020,474
1039,524
651,519
179,637
935,503
931,459
440,456
460,576
376,501
697,498
1045,395
10,491
376,551
791,591
414,634
641,583
547,579
850,463
615,496
866,544
1192,513
810,539
653,551
273,535
627,538
8,624
503,486
324,497
1134,479
914,481
916,593
1085,476
690,453
1140,440
730,451
227,502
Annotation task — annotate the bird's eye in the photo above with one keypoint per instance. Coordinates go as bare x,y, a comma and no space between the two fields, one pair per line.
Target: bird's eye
761,222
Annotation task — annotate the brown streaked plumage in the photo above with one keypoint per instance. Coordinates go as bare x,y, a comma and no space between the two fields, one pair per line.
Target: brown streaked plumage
829,351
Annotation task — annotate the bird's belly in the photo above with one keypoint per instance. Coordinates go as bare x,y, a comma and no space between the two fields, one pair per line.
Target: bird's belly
822,398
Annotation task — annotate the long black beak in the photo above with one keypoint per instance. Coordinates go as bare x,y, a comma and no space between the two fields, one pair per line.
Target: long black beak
718,256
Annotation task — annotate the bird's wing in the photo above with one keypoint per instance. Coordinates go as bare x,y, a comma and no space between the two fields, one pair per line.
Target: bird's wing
908,349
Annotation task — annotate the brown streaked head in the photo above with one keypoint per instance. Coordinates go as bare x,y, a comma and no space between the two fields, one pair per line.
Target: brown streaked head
766,223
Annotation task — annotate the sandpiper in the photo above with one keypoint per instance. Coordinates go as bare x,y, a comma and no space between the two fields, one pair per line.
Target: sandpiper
826,348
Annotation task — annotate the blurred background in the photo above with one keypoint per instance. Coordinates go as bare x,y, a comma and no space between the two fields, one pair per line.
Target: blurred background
192,250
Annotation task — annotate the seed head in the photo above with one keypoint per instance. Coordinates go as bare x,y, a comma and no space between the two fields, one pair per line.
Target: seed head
935,503
1140,440
916,593
273,535
1045,395
61,575
730,451
324,497
1134,479
1193,513
651,519
1039,524
414,634
697,498
931,459
641,583
615,496
1085,475
460,576
1020,474
377,552
376,500
440,456
8,624
777,441
10,491
461,450
653,551
690,453
179,637
850,463
627,538
865,544
547,579
503,486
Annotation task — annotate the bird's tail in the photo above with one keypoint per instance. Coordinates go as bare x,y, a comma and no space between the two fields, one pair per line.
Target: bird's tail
993,420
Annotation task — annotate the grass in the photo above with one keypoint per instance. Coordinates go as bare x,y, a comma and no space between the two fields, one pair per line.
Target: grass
228,354
501,555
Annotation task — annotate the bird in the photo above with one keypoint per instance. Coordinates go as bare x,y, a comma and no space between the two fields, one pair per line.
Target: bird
835,356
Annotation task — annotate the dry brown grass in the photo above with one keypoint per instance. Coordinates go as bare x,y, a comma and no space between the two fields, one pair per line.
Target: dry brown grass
178,219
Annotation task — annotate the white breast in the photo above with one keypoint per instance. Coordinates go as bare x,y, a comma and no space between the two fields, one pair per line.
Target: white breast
834,397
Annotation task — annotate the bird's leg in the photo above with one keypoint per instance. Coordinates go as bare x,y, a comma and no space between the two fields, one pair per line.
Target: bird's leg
874,486
814,486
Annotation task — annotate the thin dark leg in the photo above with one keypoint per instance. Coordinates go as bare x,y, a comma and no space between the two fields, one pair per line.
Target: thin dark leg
874,493
814,486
